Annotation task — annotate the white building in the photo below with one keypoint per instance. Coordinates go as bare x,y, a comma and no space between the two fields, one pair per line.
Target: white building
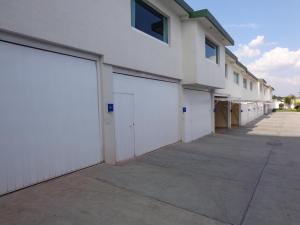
82,82
244,98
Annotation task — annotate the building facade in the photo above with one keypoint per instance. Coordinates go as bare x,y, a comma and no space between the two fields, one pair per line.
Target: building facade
85,82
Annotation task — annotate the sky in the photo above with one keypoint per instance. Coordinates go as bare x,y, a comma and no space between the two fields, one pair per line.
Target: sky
267,37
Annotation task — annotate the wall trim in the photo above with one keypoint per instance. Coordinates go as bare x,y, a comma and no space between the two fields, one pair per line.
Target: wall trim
135,73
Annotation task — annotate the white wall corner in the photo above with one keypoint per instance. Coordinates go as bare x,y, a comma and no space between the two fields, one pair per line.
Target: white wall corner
108,126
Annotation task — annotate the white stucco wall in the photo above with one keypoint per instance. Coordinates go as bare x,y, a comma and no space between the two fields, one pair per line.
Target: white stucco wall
238,91
102,27
231,88
247,94
197,69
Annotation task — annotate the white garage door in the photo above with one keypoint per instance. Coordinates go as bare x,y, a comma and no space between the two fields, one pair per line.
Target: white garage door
198,117
146,115
49,120
245,114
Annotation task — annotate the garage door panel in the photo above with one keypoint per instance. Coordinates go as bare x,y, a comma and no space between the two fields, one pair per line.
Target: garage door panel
198,121
156,114
49,123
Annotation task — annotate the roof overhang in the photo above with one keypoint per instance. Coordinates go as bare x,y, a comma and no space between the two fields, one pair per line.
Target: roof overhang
199,87
184,6
205,15
242,66
231,55
252,75
263,81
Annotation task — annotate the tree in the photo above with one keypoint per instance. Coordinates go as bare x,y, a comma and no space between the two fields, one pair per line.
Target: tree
289,100
279,98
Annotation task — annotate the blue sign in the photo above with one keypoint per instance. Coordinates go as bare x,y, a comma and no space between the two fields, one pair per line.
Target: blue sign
110,107
184,109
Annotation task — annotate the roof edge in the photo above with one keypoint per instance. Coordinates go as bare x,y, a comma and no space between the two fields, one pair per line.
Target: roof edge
231,54
185,6
205,13
242,65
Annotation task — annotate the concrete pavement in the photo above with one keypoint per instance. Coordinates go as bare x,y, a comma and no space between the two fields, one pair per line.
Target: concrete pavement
246,176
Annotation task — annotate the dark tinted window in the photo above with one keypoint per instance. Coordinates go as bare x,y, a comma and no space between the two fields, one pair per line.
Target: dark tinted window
245,83
211,51
148,20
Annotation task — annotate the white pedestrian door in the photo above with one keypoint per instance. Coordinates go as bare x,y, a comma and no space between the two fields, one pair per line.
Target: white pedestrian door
124,119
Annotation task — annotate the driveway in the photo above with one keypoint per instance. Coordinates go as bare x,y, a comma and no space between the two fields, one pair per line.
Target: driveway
246,176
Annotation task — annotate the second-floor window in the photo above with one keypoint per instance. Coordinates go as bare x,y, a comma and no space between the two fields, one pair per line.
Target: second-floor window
236,78
245,83
211,51
226,70
251,85
148,20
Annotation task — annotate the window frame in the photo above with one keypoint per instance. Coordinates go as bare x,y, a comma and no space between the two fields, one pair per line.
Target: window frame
251,85
212,45
166,24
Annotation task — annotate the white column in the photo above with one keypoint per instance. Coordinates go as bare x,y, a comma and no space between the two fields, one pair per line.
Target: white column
181,114
229,114
212,93
108,118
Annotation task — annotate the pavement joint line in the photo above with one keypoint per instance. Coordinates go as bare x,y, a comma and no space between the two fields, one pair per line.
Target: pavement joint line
204,174
256,187
159,200
221,157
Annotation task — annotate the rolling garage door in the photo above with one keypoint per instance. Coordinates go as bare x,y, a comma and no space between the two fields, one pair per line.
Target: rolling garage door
198,115
146,115
49,120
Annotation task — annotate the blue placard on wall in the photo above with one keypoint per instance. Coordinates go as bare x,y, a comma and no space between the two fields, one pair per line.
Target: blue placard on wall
184,109
110,107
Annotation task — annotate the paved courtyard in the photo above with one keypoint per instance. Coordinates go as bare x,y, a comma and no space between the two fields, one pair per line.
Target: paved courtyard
246,176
